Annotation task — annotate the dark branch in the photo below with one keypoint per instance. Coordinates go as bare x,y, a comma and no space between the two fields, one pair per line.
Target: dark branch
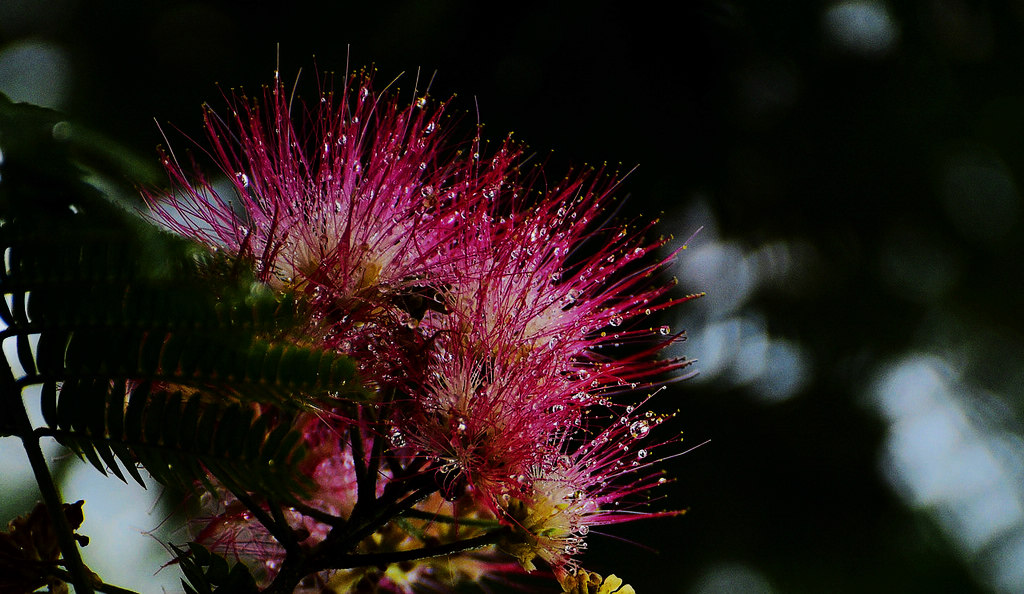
382,559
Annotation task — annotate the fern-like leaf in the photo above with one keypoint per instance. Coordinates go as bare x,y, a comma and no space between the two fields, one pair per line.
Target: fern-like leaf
180,439
209,573
150,349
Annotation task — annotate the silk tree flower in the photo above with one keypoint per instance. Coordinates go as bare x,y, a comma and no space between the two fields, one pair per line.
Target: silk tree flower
596,481
508,327
337,202
518,357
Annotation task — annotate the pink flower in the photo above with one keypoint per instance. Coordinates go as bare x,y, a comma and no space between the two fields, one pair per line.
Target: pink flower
519,357
504,328
596,481
342,203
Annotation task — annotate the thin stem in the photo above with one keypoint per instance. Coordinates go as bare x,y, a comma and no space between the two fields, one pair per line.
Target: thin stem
366,480
47,487
380,517
382,559
55,507
318,514
277,527
443,519
341,539
102,587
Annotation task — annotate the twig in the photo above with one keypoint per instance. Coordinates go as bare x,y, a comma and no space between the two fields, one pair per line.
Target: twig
47,487
382,559
443,519
101,587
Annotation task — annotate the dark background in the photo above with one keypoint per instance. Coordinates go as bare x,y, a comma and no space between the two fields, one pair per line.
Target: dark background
854,167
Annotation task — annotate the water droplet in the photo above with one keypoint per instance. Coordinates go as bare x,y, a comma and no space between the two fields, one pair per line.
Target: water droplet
421,102
615,320
460,425
647,311
641,454
639,429
664,330
571,549
583,530
242,179
396,438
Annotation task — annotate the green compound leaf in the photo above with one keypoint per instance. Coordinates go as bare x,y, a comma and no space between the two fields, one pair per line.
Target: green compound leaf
182,440
149,349
209,573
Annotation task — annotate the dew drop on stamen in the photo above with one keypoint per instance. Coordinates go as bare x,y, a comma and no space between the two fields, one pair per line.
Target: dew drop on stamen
639,429
664,330
615,320
396,438
641,454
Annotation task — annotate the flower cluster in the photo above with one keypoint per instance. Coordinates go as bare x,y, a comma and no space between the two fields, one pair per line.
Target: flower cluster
500,323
